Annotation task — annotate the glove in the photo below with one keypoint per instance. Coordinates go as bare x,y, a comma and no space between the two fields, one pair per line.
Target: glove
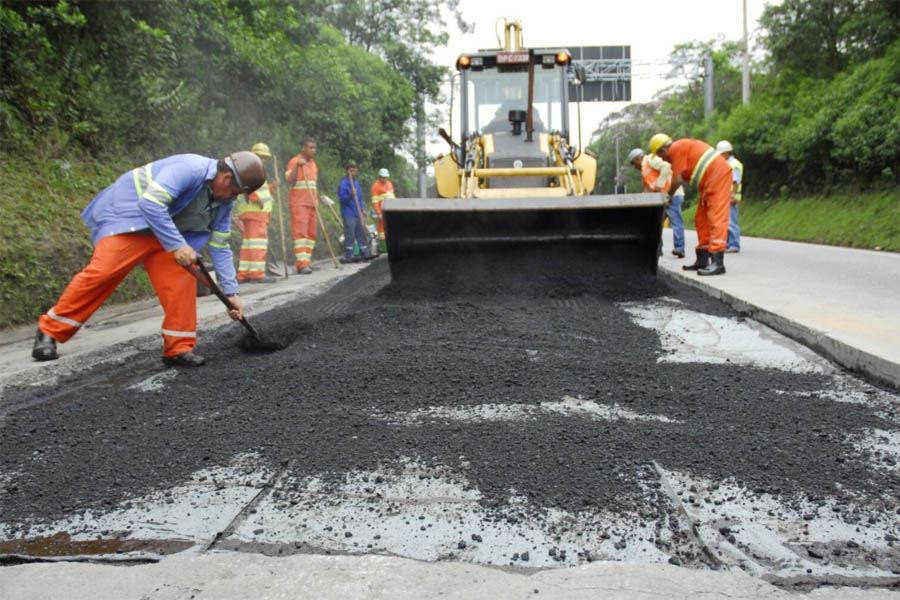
327,200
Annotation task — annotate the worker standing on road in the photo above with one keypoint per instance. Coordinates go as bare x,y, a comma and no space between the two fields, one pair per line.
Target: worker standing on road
382,190
252,215
159,215
697,162
352,212
734,228
656,176
302,174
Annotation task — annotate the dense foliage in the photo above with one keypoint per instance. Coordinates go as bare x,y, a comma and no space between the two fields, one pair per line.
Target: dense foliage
91,88
825,107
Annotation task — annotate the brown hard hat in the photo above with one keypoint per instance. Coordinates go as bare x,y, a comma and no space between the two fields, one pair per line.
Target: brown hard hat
248,170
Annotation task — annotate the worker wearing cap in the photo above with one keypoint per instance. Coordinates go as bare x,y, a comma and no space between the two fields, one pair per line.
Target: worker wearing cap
734,228
353,213
656,176
251,215
381,190
697,162
158,215
302,175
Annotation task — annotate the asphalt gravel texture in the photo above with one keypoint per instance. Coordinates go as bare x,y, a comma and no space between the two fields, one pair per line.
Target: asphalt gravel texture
446,338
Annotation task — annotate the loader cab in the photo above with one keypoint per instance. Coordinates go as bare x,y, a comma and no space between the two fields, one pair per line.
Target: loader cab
492,84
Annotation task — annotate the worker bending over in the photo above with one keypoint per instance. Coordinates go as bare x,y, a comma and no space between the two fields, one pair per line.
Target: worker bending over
158,215
656,176
697,162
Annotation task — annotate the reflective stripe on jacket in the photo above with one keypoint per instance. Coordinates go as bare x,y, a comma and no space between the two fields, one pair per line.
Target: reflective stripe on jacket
262,195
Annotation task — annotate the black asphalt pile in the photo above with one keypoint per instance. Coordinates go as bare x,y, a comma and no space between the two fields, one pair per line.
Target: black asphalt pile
366,349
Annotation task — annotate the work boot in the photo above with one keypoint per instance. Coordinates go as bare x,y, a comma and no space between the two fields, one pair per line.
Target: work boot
346,260
678,253
185,359
44,347
305,270
716,264
700,263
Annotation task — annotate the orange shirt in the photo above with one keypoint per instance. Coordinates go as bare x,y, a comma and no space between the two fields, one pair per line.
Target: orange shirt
684,155
304,190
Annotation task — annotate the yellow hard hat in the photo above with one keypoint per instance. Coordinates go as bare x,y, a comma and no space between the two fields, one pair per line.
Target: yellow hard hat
658,141
261,150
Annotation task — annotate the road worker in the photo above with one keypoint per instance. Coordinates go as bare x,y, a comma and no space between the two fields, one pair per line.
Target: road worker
302,175
697,162
381,190
656,176
158,215
251,215
734,228
353,213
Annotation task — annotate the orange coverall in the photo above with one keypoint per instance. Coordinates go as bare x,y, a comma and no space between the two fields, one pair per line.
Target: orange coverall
713,182
303,199
380,193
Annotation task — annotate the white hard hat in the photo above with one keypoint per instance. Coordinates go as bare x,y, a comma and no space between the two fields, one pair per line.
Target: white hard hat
724,146
634,154
384,173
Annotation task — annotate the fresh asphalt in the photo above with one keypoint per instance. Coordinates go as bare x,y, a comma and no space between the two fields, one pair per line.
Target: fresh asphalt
817,312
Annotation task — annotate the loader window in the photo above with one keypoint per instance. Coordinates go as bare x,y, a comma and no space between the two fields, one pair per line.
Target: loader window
491,94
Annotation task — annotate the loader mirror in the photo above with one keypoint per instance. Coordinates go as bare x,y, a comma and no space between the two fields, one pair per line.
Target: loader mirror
517,117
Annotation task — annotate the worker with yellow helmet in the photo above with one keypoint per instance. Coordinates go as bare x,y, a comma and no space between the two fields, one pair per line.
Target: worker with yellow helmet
697,162
251,216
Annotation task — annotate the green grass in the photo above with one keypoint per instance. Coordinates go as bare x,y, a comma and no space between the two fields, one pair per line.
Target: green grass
857,220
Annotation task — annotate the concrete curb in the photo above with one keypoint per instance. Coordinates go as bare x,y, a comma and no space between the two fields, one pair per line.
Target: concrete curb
881,370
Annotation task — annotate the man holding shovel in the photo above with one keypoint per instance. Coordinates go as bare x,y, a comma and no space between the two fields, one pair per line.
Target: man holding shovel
302,174
159,215
252,215
350,195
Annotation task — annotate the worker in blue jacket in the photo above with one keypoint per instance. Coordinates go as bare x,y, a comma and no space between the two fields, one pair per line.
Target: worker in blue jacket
353,214
158,215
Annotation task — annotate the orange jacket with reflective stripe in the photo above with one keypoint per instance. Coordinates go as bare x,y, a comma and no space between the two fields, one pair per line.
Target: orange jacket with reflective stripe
304,189
380,193
688,156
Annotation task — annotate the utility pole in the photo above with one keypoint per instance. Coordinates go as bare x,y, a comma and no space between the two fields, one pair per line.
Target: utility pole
708,105
745,80
420,143
618,180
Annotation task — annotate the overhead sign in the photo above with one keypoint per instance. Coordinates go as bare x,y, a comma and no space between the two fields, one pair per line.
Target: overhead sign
606,72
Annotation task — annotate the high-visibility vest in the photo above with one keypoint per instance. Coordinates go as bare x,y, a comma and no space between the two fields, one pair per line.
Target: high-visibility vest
263,194
380,193
649,176
738,167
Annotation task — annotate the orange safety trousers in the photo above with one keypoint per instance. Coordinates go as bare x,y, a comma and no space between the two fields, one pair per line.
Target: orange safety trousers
303,228
711,218
114,257
254,246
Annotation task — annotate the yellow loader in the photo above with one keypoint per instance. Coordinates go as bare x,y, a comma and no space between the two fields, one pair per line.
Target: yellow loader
514,183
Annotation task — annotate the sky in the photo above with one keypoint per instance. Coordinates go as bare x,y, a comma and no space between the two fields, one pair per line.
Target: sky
651,27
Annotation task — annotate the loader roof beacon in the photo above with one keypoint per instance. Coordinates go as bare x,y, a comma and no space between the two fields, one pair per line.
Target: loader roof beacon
514,180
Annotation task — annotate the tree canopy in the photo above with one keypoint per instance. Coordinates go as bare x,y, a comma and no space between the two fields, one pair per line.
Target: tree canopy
825,107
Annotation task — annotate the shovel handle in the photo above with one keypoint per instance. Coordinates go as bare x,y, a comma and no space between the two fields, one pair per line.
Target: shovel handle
207,280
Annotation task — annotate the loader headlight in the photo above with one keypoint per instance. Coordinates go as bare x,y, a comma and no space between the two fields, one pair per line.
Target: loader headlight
562,58
463,62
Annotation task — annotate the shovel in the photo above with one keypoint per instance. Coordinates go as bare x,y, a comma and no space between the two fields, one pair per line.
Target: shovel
252,342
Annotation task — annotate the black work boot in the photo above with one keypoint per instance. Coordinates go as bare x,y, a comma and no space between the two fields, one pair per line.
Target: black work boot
716,264
700,263
185,359
44,347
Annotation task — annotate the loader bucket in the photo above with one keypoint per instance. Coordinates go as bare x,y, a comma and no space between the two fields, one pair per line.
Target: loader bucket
434,236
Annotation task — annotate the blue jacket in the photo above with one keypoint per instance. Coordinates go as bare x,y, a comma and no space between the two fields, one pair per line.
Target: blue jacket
348,205
149,196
